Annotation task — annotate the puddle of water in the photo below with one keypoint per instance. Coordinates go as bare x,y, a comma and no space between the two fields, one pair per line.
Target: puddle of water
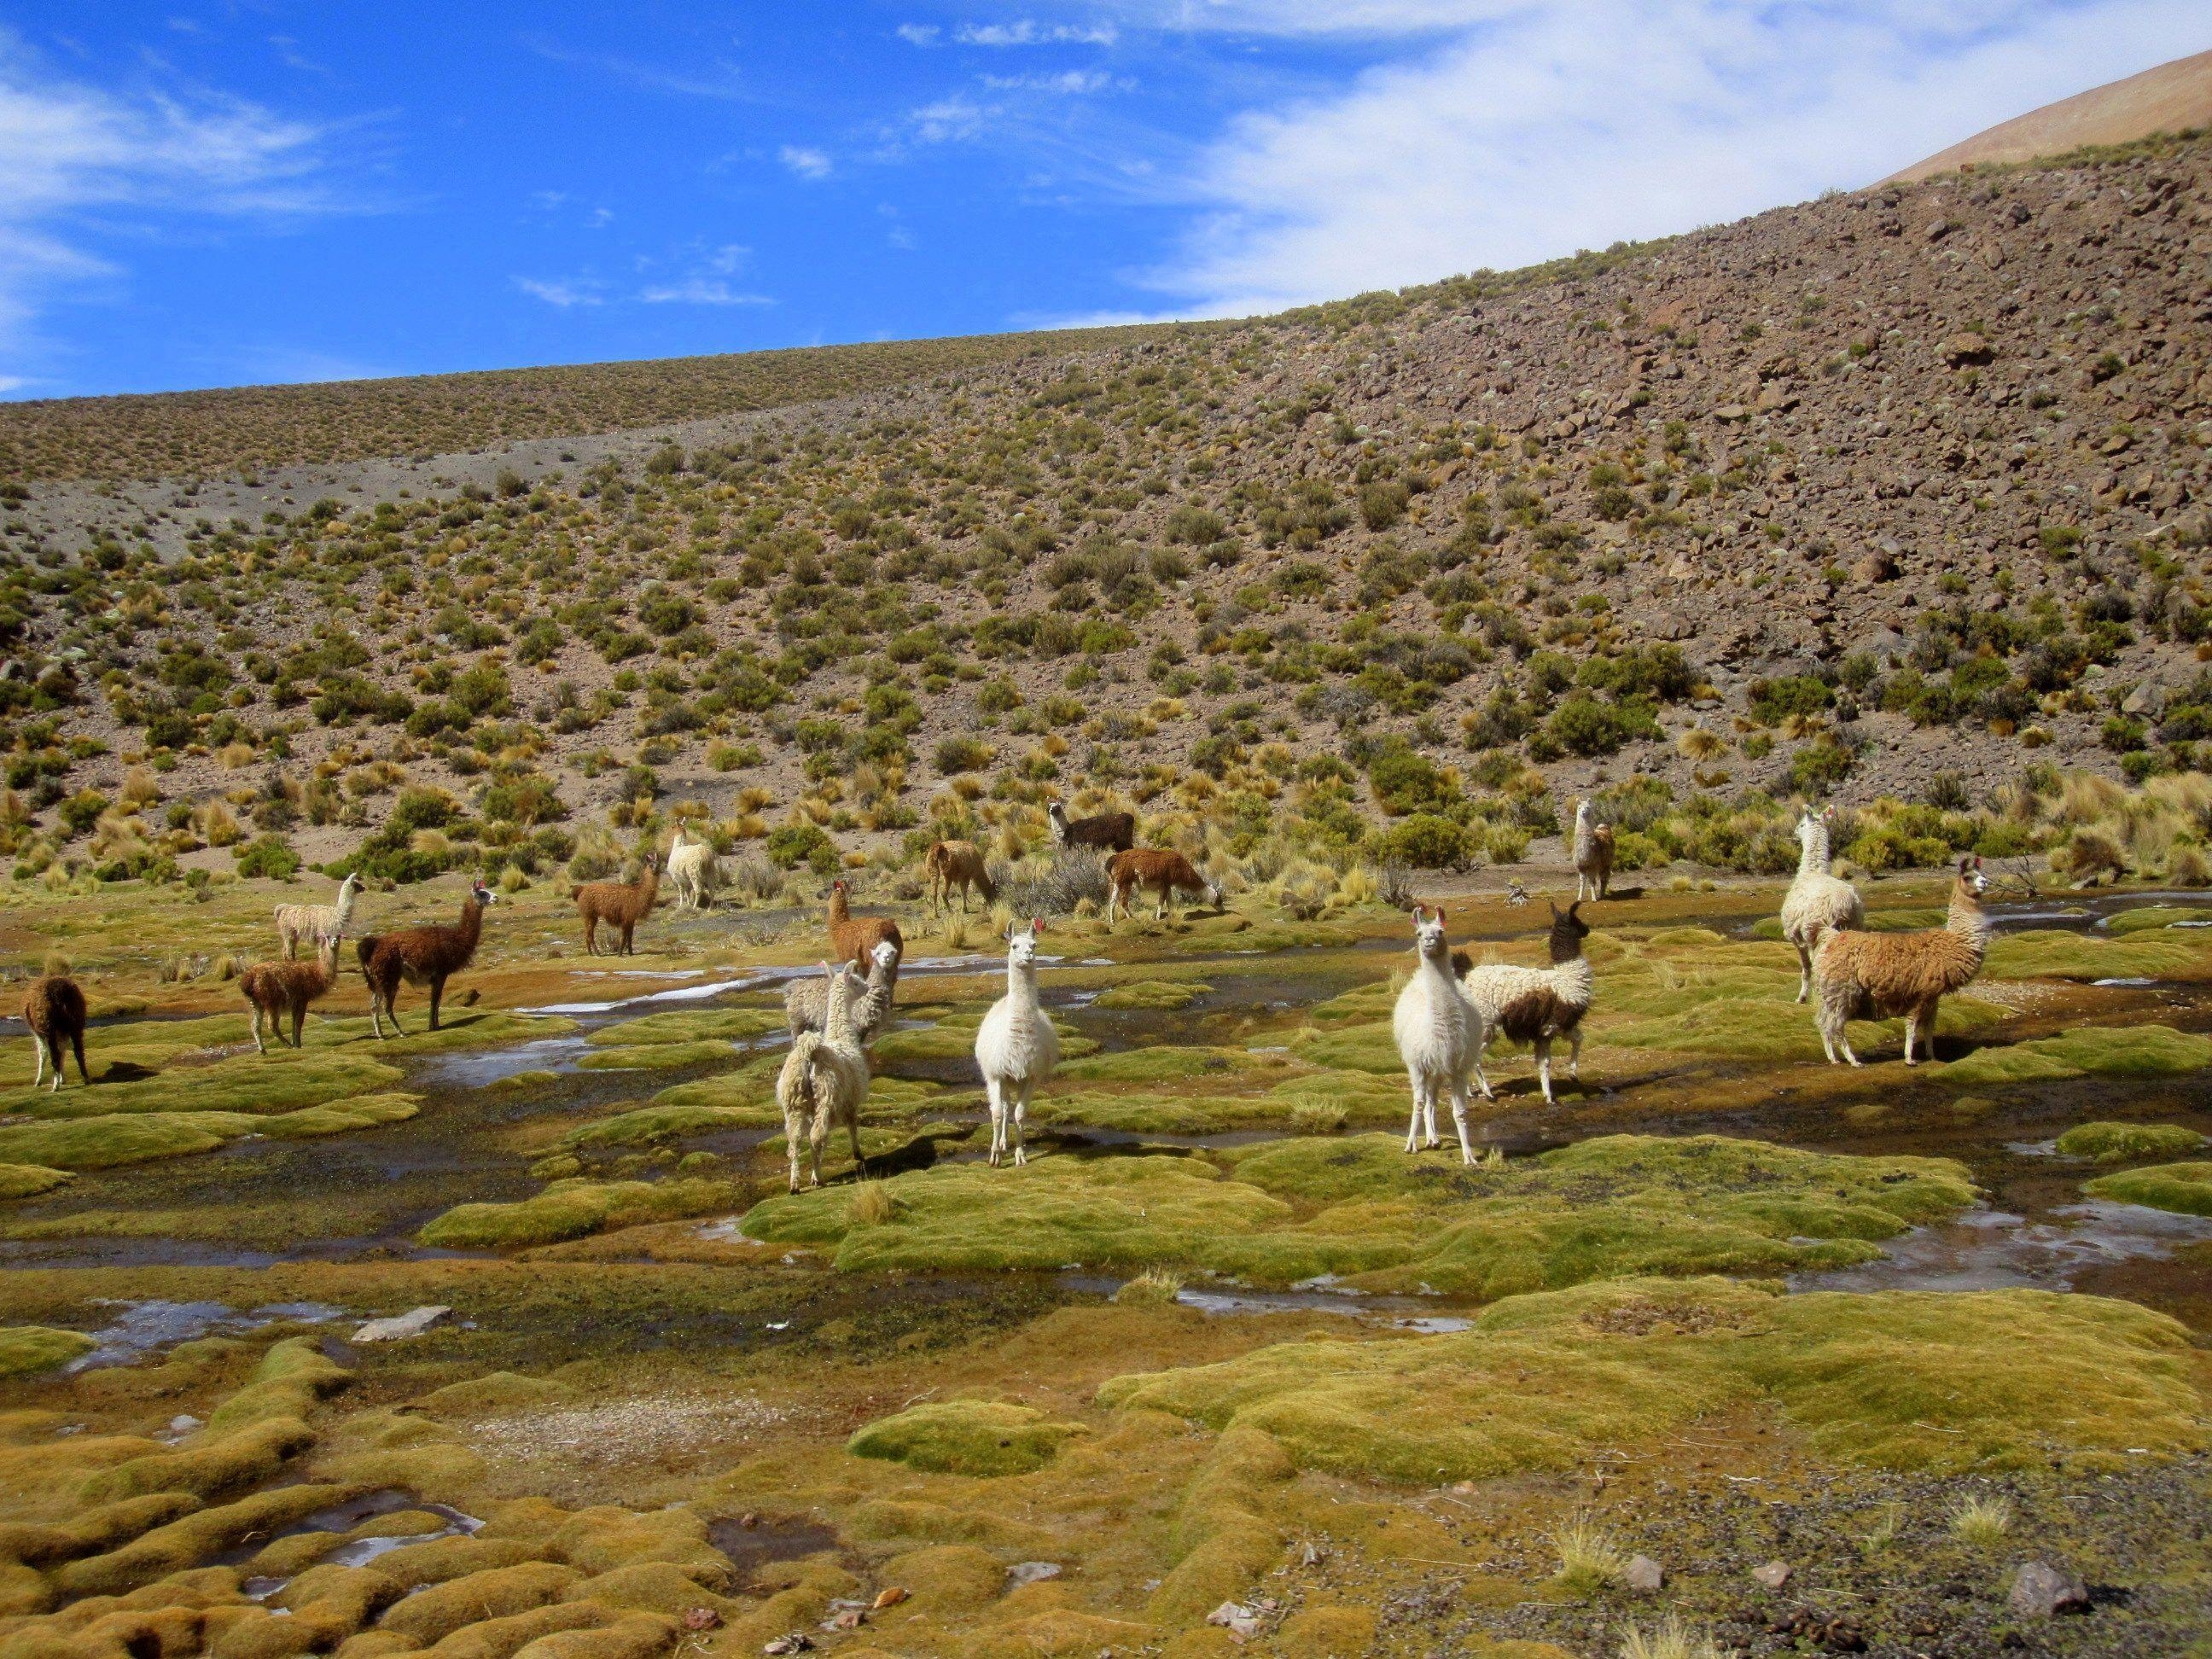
474,1070
1994,1249
753,1542
144,1327
345,1518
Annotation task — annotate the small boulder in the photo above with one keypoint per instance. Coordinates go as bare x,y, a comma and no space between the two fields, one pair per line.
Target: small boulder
1959,349
1774,1575
2040,1590
1032,1572
1643,1575
1239,1621
413,1322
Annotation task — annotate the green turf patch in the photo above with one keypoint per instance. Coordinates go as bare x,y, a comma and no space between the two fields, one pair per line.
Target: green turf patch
657,1057
2158,915
683,1025
1170,1063
751,1084
280,1081
2122,1143
29,1180
650,1126
101,1143
966,1437
953,1037
2053,953
1156,1114
573,1209
1776,1029
1163,995
2094,1051
27,1349
2184,1188
2008,1379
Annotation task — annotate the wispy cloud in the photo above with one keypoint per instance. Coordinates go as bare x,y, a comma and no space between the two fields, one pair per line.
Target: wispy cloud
562,291
77,161
919,34
805,161
1028,32
701,291
724,83
1071,84
947,119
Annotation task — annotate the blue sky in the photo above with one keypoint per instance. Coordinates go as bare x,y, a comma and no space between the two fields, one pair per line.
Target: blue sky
207,194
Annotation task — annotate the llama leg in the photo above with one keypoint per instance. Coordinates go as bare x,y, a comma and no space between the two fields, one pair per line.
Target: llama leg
997,1102
1459,1119
794,1132
1911,1031
1482,1038
1804,973
1428,1114
76,1043
818,1137
1575,1053
437,996
54,1053
1021,1111
590,936
299,1018
259,1048
1544,1067
1413,1126
852,1129
38,1059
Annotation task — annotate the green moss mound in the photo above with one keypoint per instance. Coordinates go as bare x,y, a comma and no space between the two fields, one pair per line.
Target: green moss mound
2156,916
573,1209
2120,1143
2053,953
649,1126
751,1084
341,1117
2184,1188
250,1083
29,1180
101,1143
966,1437
2009,1379
1163,995
724,1025
2093,1051
1195,1063
953,1037
656,1056
27,1349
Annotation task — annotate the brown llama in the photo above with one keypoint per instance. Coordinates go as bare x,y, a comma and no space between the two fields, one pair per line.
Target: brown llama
1108,832
854,937
1163,874
54,1010
277,988
951,864
1881,975
621,904
422,956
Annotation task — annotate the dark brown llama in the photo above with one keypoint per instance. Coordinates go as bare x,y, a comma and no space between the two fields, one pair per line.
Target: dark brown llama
422,956
54,1010
621,904
1108,832
278,988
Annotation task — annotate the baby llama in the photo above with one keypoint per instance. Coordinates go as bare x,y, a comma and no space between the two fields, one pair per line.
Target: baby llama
1593,853
1016,1047
824,1079
54,1010
1440,1035
621,904
1881,975
951,864
1817,903
1537,1005
693,870
806,1001
278,988
317,924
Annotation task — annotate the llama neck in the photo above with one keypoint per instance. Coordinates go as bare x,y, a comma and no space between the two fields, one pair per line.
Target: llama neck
1969,920
838,1014
1581,837
471,921
1813,860
840,913
1021,988
347,895
649,883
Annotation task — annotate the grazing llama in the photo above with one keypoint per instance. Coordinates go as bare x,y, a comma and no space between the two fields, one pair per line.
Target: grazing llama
855,938
621,904
1593,853
1881,975
1817,903
1159,873
54,1010
958,864
1016,1047
807,1003
428,955
317,924
693,871
1537,1005
824,1077
1108,832
277,988
1439,1035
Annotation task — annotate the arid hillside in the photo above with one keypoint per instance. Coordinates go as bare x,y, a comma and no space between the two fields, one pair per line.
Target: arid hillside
2171,98
1901,492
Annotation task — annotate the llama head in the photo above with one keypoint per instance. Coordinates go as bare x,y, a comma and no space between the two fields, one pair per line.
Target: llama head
1213,896
885,955
1022,943
351,885
1808,826
1429,933
1569,930
1971,876
482,895
649,865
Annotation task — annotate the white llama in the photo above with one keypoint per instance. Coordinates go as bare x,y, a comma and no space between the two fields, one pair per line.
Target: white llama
1816,902
824,1079
1440,1035
317,924
693,870
1016,1047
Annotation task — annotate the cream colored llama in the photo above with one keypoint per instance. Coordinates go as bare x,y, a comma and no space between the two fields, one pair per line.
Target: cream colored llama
824,1080
317,924
806,1001
693,870
1016,1047
1592,851
1817,903
1881,975
1537,1005
1440,1035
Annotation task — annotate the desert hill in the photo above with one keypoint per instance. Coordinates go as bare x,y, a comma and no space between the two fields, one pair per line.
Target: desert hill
1901,491
2171,98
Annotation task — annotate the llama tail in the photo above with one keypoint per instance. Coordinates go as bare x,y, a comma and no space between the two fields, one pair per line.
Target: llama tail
363,949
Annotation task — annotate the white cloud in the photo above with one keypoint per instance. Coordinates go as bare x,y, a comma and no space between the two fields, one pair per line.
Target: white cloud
918,34
948,119
1028,32
701,291
1072,83
1533,129
70,152
561,291
805,161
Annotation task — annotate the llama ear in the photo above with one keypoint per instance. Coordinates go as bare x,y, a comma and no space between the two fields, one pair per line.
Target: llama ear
1554,903
1574,911
1036,927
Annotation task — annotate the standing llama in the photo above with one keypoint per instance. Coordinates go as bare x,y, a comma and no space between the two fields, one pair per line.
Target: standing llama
855,938
1108,832
1016,1047
278,988
428,955
317,924
824,1077
621,904
807,1003
1881,975
693,870
1440,1035
951,864
54,1010
1162,874
1817,903
1537,1005
1593,853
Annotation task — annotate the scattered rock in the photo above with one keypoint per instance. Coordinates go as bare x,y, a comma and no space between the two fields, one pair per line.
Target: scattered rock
1239,1621
184,1423
796,1641
701,1619
2040,1590
413,1322
1960,350
1644,1574
1033,1572
1774,1575
846,1619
